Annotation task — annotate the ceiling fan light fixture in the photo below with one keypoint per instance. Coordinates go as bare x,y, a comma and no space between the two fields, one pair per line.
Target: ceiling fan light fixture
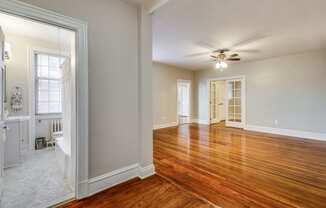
218,65
221,65
224,65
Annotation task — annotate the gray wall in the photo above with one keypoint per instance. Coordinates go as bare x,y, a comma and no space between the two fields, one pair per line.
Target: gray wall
290,89
165,92
113,79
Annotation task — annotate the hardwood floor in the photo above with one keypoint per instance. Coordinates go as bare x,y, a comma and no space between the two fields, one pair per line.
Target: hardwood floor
236,168
198,166
153,192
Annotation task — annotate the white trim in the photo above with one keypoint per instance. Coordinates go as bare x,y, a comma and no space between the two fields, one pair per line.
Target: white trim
145,172
204,122
287,132
166,125
28,11
194,120
108,180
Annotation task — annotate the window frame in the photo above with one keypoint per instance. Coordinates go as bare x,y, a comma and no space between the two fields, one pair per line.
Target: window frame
36,84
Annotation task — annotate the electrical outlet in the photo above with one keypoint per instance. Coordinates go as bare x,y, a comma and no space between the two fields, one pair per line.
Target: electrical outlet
276,122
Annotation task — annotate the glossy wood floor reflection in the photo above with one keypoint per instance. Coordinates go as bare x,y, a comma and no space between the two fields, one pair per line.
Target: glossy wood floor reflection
153,192
237,168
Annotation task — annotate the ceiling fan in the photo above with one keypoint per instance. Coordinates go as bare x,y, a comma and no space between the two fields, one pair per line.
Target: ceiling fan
221,58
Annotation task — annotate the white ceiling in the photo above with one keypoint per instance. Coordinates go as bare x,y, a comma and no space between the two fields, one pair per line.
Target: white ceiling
269,27
36,30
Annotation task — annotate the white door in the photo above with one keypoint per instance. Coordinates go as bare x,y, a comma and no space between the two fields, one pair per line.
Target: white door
221,101
2,126
213,102
235,110
217,101
183,98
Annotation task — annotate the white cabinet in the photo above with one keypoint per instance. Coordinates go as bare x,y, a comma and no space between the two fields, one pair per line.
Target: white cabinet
16,134
12,144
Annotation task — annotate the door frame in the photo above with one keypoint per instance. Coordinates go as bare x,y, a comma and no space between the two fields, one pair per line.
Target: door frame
243,97
190,98
80,127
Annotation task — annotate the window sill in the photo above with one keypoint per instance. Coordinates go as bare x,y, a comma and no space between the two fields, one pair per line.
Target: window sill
48,116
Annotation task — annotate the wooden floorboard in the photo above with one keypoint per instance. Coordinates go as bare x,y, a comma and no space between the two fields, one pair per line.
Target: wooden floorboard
154,191
203,166
237,168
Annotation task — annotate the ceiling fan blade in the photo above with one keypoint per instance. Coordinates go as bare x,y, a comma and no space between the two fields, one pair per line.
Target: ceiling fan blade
233,59
214,57
222,50
234,55
198,54
209,61
207,46
249,41
247,51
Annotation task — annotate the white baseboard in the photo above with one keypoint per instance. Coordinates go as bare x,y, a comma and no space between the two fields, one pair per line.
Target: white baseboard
204,122
287,132
166,125
147,171
194,120
108,180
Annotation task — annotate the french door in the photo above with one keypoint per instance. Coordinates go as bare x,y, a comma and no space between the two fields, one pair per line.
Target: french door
217,100
235,103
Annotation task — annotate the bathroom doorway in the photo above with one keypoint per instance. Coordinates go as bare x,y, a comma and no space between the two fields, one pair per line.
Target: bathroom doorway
39,156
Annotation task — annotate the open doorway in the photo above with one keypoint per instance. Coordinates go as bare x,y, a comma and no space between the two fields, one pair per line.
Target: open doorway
38,91
227,101
183,99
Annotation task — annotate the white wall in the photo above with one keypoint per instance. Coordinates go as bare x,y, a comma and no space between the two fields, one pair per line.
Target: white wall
114,86
290,89
165,92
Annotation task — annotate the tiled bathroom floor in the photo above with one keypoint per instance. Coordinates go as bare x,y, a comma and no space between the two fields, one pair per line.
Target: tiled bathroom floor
37,182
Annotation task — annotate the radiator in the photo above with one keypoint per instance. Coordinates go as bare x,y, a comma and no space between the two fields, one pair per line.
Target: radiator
56,128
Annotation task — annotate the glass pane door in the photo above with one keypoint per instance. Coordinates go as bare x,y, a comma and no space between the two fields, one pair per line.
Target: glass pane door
234,102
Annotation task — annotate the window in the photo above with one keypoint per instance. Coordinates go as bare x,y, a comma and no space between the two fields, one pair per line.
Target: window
48,82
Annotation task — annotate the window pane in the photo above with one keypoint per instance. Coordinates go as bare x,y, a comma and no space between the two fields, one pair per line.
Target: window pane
54,73
54,62
49,84
42,71
43,107
54,107
42,60
43,96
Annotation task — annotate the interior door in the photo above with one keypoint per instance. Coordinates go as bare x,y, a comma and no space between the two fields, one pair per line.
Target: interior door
221,101
214,118
217,101
234,103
